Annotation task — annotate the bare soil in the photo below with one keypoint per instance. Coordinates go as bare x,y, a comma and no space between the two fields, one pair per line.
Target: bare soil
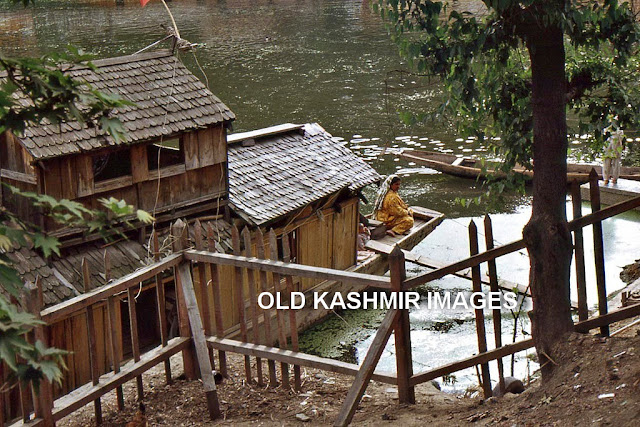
597,382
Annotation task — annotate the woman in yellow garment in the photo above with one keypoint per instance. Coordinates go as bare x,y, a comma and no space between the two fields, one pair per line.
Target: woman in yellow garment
391,209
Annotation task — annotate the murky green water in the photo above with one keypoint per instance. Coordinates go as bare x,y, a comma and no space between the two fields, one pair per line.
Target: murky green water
329,61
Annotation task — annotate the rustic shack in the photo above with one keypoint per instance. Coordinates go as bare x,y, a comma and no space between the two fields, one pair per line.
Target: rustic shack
177,162
298,180
172,164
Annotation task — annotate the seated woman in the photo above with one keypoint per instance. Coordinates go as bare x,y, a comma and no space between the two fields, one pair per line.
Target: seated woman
391,209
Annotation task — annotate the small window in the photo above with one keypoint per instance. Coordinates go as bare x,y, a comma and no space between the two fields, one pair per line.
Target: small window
111,165
170,153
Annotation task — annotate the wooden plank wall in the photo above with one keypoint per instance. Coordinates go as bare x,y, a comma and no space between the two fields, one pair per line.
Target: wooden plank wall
71,177
329,242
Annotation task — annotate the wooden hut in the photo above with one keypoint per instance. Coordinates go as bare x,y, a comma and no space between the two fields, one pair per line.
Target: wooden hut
172,164
298,180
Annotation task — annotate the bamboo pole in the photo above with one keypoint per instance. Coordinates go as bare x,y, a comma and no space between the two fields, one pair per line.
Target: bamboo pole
598,250
480,329
404,362
493,283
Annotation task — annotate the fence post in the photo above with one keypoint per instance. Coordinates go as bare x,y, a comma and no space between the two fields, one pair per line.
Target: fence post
204,289
217,303
179,234
598,250
402,331
91,335
238,288
44,407
161,304
493,283
576,200
480,329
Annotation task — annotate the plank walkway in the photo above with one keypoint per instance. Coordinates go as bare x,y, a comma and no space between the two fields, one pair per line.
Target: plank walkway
611,194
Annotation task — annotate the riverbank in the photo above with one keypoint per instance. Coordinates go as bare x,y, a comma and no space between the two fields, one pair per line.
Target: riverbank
598,383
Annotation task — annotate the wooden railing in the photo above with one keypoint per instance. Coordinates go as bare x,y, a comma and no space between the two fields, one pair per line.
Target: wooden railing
395,319
261,266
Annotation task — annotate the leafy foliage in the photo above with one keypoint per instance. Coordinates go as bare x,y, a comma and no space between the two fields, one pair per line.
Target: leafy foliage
35,91
482,61
37,361
53,96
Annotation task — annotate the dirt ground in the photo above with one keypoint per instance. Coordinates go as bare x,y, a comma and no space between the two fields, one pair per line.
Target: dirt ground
597,383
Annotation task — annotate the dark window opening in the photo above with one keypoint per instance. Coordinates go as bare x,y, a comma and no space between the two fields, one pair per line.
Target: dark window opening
111,165
293,246
170,153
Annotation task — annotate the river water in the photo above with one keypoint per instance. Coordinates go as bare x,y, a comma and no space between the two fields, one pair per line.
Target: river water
332,62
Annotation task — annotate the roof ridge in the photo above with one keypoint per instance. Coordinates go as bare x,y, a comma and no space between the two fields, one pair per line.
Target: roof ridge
106,62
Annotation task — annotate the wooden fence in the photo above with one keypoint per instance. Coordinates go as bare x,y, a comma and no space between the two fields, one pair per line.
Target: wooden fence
261,264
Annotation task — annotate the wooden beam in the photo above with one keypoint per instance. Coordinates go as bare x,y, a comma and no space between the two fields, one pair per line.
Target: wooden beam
435,264
91,339
479,312
598,251
584,326
367,368
517,245
283,268
293,357
609,318
64,309
199,340
469,362
402,328
83,395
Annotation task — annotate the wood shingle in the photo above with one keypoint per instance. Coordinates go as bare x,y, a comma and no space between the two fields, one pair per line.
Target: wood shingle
272,174
168,99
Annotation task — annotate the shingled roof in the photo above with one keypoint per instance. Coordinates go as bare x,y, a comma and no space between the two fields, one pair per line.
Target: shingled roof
274,171
168,99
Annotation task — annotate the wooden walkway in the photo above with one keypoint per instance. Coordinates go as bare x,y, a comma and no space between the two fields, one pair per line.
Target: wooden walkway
611,194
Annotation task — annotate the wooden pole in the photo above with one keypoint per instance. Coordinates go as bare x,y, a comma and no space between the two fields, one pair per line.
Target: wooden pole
135,341
91,335
598,250
253,302
576,200
293,324
24,388
361,381
161,305
266,313
480,330
114,324
204,289
217,301
204,358
282,327
44,400
238,286
404,362
179,234
493,284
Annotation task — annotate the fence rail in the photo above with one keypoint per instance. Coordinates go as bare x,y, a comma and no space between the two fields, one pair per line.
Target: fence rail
263,265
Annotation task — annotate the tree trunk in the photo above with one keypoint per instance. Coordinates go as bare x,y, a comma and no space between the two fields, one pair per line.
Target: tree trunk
547,236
